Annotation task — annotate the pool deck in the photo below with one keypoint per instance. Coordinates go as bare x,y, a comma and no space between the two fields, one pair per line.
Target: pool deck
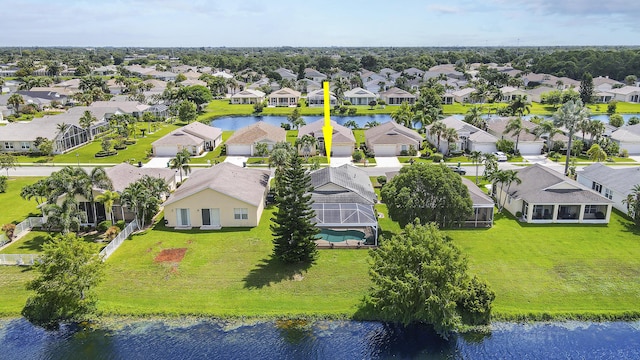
347,244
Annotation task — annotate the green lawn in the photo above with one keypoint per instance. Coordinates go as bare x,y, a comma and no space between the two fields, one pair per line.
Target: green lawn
585,159
229,273
557,270
14,208
32,243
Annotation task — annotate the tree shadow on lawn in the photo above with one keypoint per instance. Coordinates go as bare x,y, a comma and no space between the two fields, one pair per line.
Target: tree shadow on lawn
160,226
270,271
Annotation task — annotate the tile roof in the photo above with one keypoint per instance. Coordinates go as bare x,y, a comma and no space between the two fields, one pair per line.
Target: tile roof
245,184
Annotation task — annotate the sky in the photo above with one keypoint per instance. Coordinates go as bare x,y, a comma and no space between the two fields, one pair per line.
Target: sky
267,23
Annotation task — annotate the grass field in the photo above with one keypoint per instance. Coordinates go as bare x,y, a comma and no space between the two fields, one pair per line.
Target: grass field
14,208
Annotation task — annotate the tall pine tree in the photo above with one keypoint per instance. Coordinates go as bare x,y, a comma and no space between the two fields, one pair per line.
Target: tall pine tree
586,88
292,229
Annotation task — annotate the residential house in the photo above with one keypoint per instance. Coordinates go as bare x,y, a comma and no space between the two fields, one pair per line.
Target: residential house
243,142
121,176
470,138
396,96
389,74
547,196
463,95
264,82
601,83
287,74
614,183
378,86
343,141
447,98
628,137
316,98
528,144
134,108
248,96
626,94
392,139
160,111
344,199
314,75
224,195
509,93
603,96
195,137
307,85
359,96
284,97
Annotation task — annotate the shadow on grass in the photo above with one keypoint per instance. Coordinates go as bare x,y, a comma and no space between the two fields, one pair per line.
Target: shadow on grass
160,226
271,271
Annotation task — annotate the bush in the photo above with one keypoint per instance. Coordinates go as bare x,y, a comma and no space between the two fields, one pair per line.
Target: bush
381,179
3,184
437,157
352,111
518,214
103,226
100,154
611,107
121,224
475,302
112,232
404,153
346,103
505,145
624,153
357,156
9,230
425,154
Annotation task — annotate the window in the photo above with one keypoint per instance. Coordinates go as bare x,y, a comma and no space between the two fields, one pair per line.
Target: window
183,217
608,193
590,209
8,145
597,187
241,213
26,145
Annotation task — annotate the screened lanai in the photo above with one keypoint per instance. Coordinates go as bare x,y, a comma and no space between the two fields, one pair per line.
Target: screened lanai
346,216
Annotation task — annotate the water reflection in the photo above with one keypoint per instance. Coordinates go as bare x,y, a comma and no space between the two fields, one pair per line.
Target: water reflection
202,339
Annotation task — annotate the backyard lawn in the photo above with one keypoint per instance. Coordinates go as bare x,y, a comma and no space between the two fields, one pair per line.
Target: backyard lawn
558,270
14,208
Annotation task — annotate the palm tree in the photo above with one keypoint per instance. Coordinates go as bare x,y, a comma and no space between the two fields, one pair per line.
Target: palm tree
370,124
305,143
86,121
490,165
261,149
476,159
181,162
570,115
66,216
108,198
596,153
339,87
633,204
451,135
15,101
596,129
519,105
515,127
351,124
505,178
295,119
437,129
548,129
403,115
474,117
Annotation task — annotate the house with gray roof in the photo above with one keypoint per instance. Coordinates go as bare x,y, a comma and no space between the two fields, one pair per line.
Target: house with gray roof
614,183
314,75
628,137
316,98
343,141
284,97
470,138
626,94
359,96
307,85
224,195
248,96
396,96
547,196
343,199
528,144
195,138
392,139
243,142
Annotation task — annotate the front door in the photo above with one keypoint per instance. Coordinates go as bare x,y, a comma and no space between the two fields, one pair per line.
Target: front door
183,217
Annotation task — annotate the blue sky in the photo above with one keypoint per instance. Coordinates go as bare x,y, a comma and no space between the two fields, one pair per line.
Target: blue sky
232,23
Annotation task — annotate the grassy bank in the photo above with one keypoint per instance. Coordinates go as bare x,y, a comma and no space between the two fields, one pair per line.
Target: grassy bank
14,208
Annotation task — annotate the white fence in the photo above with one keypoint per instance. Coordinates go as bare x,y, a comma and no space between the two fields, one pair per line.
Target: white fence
18,259
115,243
27,225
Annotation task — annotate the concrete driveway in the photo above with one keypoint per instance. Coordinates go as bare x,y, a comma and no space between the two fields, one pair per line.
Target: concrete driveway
388,162
157,162
236,160
339,161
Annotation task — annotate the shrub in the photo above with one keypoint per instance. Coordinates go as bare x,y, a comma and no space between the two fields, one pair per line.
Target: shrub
352,111
425,154
9,230
518,214
357,156
381,179
624,153
437,157
412,151
3,184
346,103
112,232
121,224
505,146
258,108
404,153
103,226
611,107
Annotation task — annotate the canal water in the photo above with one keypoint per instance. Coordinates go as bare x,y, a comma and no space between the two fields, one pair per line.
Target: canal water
238,122
201,339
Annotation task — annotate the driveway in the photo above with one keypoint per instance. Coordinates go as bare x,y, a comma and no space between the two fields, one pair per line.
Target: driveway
535,159
388,162
236,160
157,162
339,161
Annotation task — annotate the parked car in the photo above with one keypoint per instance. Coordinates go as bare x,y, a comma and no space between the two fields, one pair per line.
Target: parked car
458,170
500,155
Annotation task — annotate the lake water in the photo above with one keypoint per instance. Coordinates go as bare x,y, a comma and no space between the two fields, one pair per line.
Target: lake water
238,122
147,339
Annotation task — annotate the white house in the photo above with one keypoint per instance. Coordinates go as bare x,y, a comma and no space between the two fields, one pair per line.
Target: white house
316,98
628,137
470,138
243,142
359,96
248,96
614,183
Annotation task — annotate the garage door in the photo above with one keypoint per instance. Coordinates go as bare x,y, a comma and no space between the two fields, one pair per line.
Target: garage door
165,151
239,150
342,150
483,148
384,150
633,149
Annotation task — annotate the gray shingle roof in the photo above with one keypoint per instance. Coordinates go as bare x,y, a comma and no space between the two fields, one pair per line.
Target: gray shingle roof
257,132
478,197
353,185
543,185
245,184
621,180
122,175
392,133
341,134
